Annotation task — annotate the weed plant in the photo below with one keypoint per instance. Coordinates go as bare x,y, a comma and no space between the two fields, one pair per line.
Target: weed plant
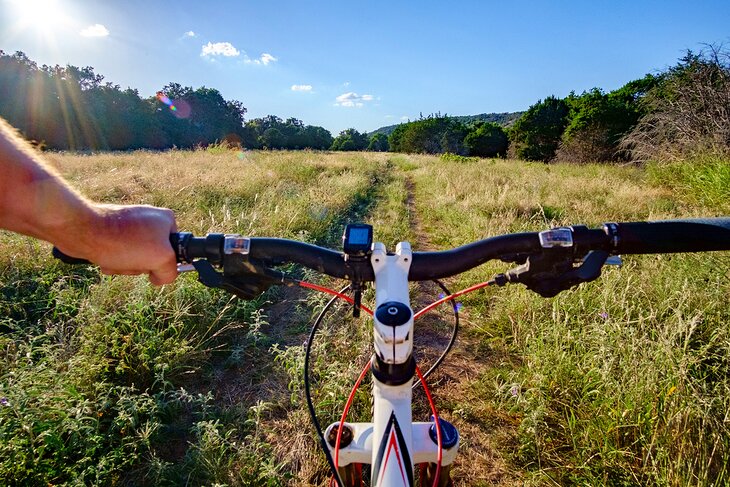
624,381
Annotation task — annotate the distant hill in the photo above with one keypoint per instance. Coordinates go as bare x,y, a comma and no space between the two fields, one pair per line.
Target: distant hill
505,119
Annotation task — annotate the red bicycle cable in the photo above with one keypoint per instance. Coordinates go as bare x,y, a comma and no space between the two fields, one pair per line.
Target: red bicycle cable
327,290
439,441
350,399
449,298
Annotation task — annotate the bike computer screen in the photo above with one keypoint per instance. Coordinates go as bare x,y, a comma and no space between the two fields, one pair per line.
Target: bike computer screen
357,239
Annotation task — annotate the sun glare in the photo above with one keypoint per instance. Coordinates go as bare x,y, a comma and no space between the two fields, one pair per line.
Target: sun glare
43,16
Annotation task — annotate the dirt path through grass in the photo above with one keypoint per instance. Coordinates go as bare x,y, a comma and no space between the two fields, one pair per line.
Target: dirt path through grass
185,386
480,461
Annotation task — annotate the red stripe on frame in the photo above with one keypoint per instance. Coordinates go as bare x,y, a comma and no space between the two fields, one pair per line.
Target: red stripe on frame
393,446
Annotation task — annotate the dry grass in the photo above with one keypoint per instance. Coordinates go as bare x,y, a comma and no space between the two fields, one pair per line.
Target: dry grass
255,431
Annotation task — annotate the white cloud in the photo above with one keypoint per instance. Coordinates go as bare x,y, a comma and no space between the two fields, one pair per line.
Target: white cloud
190,33
352,99
404,118
219,49
265,59
346,84
301,88
96,30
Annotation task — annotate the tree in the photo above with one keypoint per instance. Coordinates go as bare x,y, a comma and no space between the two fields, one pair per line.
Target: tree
350,140
687,111
487,140
378,143
317,138
291,134
434,134
598,121
536,135
272,138
201,116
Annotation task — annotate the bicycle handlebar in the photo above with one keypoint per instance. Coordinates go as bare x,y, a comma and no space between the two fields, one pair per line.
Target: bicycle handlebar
688,235
615,238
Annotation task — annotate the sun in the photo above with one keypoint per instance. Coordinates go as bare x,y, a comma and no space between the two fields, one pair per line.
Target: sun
43,16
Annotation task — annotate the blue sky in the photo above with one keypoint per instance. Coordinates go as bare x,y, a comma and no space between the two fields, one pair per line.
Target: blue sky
365,64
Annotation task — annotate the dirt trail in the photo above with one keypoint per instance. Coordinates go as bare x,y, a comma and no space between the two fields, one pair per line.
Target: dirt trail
483,430
480,461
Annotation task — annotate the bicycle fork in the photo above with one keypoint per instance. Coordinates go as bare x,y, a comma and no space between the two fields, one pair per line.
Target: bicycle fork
392,443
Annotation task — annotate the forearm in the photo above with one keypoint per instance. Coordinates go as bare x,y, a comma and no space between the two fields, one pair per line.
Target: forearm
34,200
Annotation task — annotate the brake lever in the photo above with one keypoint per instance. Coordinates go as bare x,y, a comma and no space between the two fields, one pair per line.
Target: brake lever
246,285
549,273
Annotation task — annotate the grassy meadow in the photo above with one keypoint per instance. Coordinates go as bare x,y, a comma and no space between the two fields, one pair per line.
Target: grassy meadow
623,381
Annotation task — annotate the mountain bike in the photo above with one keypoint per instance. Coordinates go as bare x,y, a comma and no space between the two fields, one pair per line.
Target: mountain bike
394,446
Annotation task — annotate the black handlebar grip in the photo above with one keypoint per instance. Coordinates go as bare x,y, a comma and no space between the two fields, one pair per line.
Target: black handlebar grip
693,235
188,248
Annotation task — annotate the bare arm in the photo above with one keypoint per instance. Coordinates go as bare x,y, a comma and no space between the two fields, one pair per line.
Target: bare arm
36,201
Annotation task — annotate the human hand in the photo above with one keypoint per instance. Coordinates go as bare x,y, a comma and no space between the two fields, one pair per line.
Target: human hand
127,240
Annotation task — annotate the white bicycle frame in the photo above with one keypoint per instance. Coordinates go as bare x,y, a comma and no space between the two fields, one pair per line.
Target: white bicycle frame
393,444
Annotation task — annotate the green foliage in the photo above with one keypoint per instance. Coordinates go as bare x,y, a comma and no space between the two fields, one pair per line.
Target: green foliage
379,143
78,110
434,134
687,110
73,108
598,121
448,156
350,140
271,132
536,135
504,119
487,140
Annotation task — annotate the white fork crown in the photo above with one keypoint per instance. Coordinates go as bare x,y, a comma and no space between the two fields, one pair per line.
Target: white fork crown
393,444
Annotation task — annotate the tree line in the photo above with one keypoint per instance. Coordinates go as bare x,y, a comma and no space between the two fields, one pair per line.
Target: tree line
683,109
72,108
673,114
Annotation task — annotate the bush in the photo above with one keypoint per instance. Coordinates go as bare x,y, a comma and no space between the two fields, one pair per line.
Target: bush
350,140
487,140
536,135
379,143
598,121
434,134
687,110
448,156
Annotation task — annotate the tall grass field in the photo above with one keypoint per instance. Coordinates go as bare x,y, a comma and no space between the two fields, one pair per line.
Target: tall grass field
622,381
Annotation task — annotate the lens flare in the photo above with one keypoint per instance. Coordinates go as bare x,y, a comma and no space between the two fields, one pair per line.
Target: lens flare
180,108
164,99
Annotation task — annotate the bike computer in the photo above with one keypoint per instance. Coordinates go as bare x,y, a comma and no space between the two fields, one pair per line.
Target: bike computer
357,239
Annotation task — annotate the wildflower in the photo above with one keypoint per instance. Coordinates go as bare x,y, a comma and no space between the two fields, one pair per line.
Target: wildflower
515,390
603,315
4,401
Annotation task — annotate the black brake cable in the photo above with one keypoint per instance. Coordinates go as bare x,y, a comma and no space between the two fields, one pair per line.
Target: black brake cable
307,388
452,340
